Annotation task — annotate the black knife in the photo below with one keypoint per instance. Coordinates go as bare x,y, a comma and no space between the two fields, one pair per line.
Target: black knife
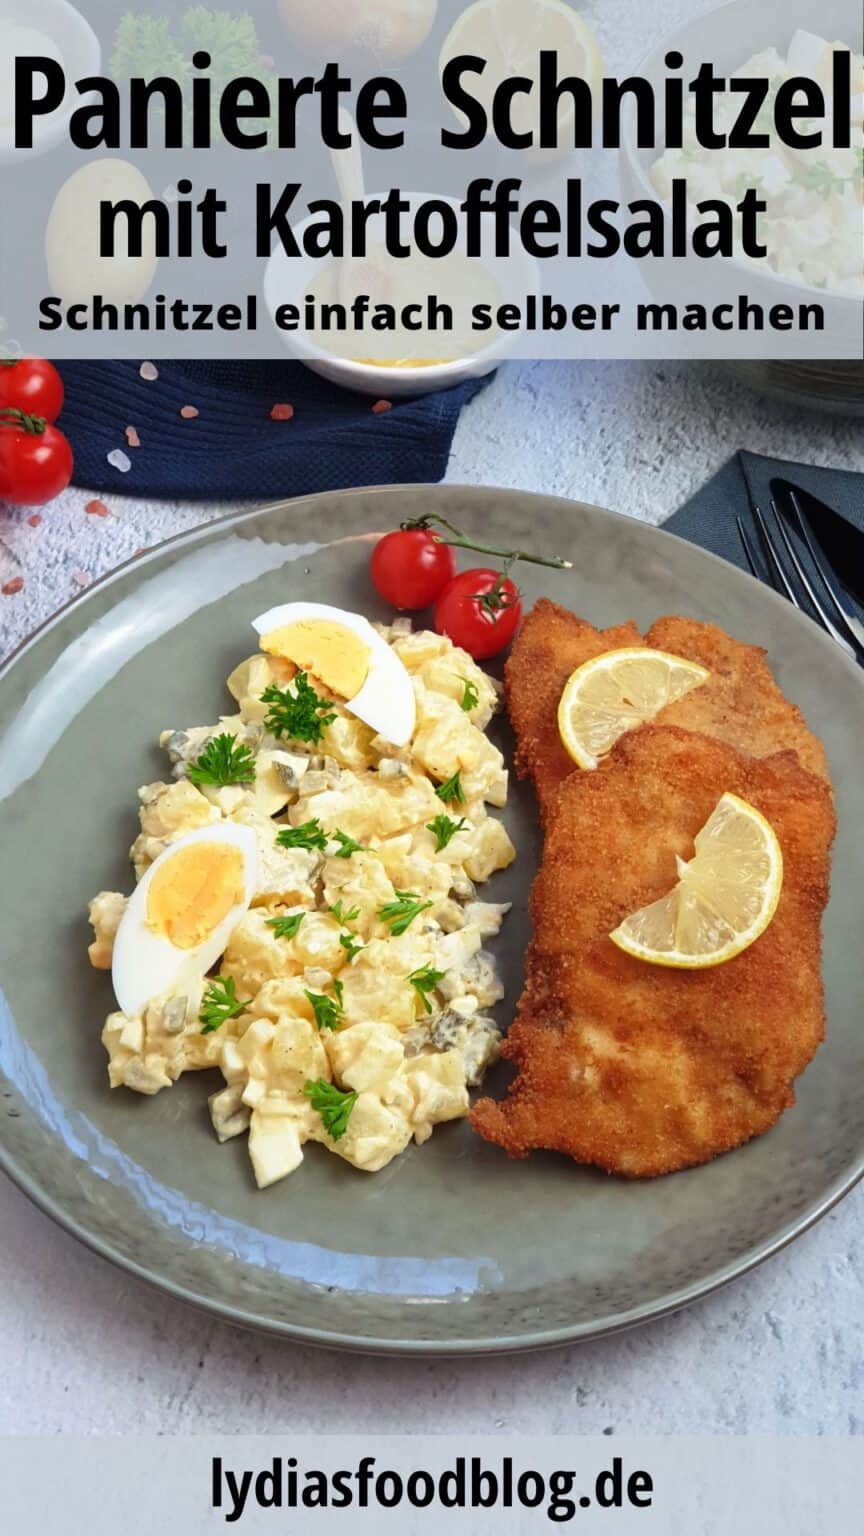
841,543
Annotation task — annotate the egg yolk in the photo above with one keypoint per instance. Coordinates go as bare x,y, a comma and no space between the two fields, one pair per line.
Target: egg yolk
330,651
191,893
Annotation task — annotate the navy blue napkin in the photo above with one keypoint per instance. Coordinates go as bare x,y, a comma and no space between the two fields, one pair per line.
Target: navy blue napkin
709,517
232,450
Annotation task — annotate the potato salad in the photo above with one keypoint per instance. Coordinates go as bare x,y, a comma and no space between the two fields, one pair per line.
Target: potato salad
814,225
306,916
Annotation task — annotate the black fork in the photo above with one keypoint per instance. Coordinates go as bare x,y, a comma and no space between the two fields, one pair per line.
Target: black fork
777,563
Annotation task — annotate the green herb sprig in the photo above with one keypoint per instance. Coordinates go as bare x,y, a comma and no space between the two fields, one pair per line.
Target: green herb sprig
310,835
451,791
445,830
342,916
470,696
333,1105
347,845
298,713
424,981
286,927
220,1003
400,914
329,1011
351,944
224,760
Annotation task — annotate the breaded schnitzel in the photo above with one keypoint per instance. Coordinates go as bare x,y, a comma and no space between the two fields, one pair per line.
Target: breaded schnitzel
740,702
644,1070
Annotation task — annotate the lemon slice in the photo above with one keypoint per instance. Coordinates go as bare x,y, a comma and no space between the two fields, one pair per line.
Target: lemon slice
509,35
724,900
615,692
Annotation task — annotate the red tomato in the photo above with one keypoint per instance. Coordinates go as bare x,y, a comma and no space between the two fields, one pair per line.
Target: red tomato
33,385
35,461
410,567
480,611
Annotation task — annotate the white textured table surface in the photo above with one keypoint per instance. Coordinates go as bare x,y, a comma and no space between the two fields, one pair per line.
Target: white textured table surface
85,1349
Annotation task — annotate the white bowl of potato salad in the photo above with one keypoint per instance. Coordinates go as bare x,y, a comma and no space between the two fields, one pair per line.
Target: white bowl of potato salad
307,916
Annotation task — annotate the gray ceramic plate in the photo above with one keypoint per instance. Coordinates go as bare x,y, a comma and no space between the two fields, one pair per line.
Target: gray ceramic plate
452,1248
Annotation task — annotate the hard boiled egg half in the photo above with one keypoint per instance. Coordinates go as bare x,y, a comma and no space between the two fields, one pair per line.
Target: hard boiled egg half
183,912
350,658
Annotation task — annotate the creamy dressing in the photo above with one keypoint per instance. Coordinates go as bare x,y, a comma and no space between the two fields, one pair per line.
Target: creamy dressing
397,286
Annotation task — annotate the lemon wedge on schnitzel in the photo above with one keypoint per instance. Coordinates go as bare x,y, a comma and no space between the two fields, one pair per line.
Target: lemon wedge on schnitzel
616,691
724,900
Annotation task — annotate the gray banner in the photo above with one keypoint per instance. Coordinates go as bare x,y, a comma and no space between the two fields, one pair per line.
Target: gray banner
239,251
726,1487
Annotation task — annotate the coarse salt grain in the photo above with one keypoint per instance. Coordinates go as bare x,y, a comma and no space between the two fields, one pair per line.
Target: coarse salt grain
149,371
282,413
381,406
9,588
119,460
132,438
97,509
189,412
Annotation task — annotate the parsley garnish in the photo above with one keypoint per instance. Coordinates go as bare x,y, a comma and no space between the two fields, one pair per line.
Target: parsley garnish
310,835
351,944
424,981
820,178
300,715
328,1011
223,761
344,917
332,1104
401,913
445,830
286,927
220,1003
347,846
471,696
452,792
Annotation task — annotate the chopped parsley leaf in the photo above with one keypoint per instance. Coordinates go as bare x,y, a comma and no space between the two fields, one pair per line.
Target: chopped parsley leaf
286,927
328,1011
344,917
400,914
298,713
310,835
424,981
333,1105
220,1003
445,830
223,761
471,695
347,845
351,944
452,792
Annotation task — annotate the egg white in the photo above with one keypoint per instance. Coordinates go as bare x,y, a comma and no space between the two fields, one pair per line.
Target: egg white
386,701
146,964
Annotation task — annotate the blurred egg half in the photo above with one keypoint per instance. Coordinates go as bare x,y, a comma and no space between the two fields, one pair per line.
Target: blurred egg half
183,912
350,658
75,266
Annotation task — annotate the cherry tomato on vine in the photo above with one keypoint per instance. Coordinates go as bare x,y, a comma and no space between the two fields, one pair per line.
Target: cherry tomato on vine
480,611
35,459
410,567
33,385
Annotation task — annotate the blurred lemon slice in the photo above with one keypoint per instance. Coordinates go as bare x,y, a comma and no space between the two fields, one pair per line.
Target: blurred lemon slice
615,692
510,35
724,900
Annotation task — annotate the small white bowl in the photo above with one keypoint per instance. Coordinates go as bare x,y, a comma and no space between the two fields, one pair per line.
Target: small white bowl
287,279
81,55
